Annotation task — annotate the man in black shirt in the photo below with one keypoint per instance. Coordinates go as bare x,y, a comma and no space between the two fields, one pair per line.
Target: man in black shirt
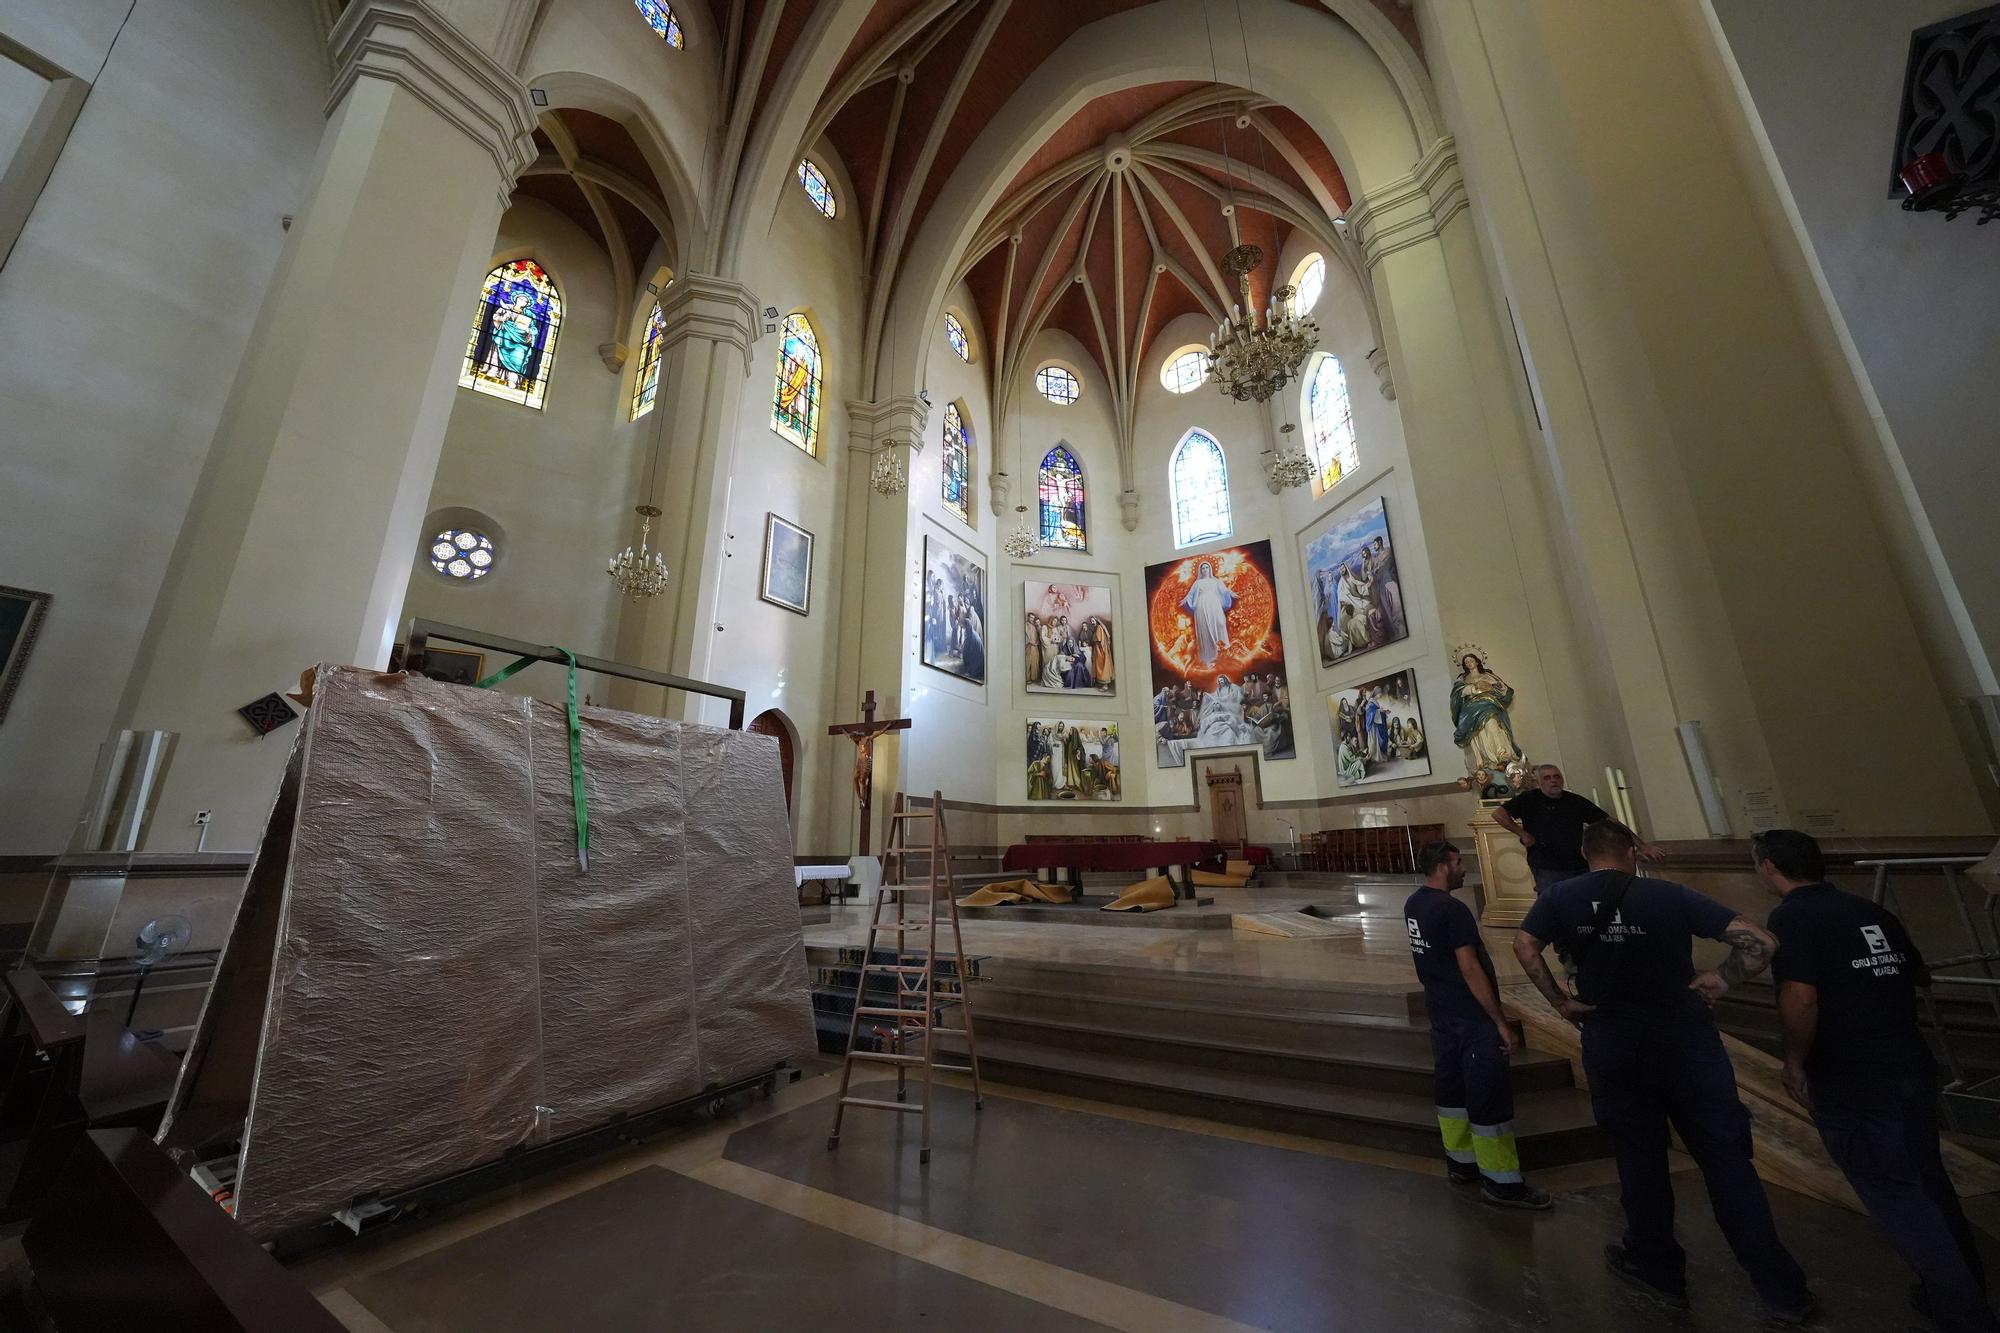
1847,978
1550,822
1470,1037
1654,1059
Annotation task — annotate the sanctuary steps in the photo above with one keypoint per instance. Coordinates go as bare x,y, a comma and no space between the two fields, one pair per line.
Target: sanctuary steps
1348,1064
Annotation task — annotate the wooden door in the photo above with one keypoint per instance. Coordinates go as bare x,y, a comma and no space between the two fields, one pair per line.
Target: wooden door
1225,804
772,723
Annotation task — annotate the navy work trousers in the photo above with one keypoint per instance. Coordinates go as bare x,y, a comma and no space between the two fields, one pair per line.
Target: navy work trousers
1652,1068
1882,1132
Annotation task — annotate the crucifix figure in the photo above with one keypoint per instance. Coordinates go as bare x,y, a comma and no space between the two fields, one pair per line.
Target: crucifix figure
863,734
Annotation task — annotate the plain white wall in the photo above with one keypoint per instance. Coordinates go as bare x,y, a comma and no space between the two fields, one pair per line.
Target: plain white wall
139,274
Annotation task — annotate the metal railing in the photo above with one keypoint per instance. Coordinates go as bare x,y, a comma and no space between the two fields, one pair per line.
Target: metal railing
1981,1101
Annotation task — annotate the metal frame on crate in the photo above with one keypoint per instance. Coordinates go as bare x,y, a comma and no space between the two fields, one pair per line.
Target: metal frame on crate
421,631
1971,1108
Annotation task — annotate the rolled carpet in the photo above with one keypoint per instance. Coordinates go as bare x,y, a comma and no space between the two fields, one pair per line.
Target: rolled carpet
1209,879
1148,895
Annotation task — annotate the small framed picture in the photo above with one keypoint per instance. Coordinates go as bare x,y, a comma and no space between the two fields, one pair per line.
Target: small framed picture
788,562
454,666
21,615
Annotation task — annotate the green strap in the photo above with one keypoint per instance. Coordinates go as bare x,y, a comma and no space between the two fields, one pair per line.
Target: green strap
575,750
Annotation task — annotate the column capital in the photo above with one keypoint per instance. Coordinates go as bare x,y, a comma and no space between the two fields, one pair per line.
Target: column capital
1378,361
408,43
701,305
876,426
1128,509
1412,209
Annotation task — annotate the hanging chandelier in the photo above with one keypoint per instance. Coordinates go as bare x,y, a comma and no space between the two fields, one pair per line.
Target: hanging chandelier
1291,466
640,574
1249,360
1021,543
887,477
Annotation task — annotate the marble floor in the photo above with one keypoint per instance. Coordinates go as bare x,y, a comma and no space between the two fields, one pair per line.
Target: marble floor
1045,1213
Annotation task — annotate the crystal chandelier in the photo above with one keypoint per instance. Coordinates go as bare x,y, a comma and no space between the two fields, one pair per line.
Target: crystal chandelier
1291,466
642,573
1250,361
1021,543
887,477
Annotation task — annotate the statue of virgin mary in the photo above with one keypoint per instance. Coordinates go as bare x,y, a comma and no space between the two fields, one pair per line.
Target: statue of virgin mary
1479,721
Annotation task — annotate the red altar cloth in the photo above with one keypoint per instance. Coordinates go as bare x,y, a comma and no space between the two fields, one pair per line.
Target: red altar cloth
1133,856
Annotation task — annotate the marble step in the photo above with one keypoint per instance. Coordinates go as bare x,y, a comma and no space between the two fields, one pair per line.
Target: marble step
1401,1004
1552,1126
1349,1058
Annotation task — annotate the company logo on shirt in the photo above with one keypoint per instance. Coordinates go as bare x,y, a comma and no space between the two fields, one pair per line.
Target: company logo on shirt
1617,930
1417,942
1880,959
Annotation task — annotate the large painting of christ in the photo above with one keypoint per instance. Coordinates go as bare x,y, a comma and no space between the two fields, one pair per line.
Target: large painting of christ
1067,639
1378,731
1218,654
1072,761
954,612
1351,577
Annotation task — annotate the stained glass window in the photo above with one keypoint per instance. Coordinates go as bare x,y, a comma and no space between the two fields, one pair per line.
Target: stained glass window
1185,372
513,345
1308,283
462,553
647,383
1198,479
1062,501
817,189
1330,424
795,410
957,464
1057,385
954,333
661,19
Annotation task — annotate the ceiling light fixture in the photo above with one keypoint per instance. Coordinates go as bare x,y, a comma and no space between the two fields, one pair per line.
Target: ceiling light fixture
642,573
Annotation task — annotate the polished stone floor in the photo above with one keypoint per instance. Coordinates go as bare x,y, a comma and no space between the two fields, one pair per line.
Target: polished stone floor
1045,1213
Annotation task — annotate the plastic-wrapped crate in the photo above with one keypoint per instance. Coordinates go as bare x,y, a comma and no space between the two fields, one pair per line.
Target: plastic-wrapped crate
421,978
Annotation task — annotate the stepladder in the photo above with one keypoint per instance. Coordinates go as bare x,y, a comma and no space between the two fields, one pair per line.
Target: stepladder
911,984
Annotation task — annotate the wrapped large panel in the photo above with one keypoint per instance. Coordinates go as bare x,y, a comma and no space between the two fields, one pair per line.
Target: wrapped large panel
446,984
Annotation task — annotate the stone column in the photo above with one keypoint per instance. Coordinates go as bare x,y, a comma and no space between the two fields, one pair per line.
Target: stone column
709,326
307,518
881,597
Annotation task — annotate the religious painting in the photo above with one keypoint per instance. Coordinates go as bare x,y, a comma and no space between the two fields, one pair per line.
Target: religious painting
21,615
454,667
1357,599
1068,640
1218,654
788,558
1071,760
1378,731
513,344
954,612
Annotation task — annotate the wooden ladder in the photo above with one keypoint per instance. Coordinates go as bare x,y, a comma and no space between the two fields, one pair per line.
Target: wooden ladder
914,974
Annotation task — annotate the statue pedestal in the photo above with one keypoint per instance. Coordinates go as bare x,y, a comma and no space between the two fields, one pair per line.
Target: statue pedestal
1506,883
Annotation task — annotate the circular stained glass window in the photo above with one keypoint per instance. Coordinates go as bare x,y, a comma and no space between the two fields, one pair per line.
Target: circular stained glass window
461,553
1185,372
1058,385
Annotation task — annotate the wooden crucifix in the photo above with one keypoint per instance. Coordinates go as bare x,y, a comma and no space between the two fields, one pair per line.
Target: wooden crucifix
863,734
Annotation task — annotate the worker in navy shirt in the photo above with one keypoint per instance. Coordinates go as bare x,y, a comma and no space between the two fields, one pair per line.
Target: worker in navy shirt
1549,821
1654,1059
1470,1037
1847,979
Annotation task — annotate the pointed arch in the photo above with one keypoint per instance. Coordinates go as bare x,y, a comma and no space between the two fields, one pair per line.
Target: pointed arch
1198,481
795,405
1329,415
1064,518
772,722
957,462
646,384
512,350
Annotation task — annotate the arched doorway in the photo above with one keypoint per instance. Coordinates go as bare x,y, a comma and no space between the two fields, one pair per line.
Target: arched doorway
773,723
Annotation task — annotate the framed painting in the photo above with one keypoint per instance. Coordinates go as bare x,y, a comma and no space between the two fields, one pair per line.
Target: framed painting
1378,731
954,612
21,613
1072,760
454,666
1218,653
788,562
1356,596
1067,638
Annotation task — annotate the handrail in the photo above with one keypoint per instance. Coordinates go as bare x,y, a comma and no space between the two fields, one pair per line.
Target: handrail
49,1024
422,630
1923,861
